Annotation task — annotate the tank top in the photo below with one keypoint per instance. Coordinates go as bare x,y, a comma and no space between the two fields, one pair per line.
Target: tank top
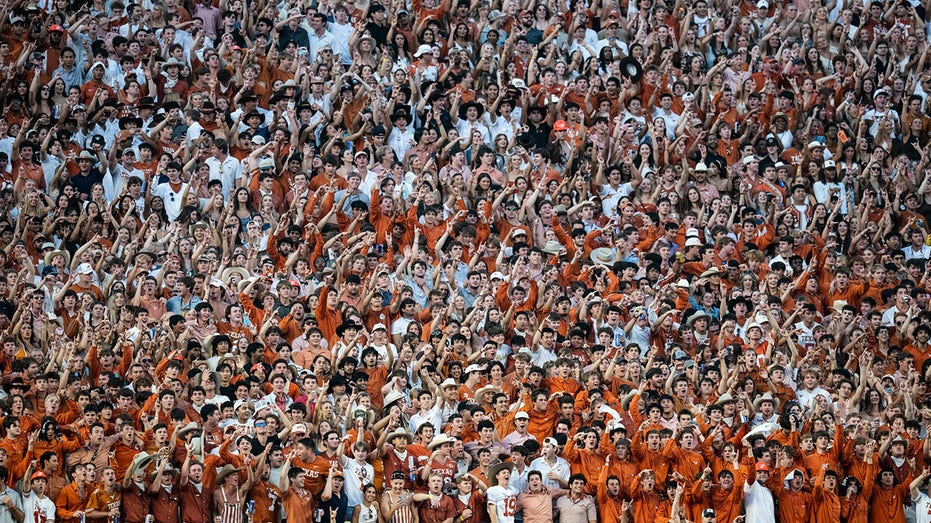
232,510
369,514
404,514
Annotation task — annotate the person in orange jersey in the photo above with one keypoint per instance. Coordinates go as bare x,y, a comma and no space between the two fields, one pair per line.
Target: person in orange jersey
646,500
825,499
887,501
795,503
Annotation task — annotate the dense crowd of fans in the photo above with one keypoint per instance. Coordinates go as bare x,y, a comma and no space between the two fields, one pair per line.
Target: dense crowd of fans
461,262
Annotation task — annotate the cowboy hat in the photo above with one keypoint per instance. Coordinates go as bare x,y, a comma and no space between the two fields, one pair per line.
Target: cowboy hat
438,440
495,469
241,286
725,399
190,427
370,39
765,397
631,68
399,433
714,271
392,397
486,389
603,256
695,317
552,247
224,472
401,113
475,367
625,402
343,327
49,256
740,299
134,257
839,305
141,461
243,274
466,106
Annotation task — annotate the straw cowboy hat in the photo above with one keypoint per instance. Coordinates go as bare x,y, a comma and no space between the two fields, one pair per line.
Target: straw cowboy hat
224,472
495,469
438,440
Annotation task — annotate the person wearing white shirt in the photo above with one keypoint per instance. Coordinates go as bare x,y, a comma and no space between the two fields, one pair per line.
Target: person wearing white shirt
502,499
618,47
194,128
402,135
318,99
224,167
37,507
810,390
580,43
171,191
507,119
665,112
10,511
612,191
830,186
319,38
917,247
921,499
429,412
758,499
880,111
357,471
555,470
111,69
341,26
119,174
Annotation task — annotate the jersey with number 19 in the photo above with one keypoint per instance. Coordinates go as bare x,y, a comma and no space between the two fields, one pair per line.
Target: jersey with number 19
505,501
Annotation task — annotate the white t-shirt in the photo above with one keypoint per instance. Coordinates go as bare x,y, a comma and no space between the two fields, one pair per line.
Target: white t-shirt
922,508
356,475
37,510
171,198
758,503
505,501
610,196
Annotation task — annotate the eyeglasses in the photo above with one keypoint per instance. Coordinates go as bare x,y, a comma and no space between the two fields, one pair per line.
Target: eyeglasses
260,424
